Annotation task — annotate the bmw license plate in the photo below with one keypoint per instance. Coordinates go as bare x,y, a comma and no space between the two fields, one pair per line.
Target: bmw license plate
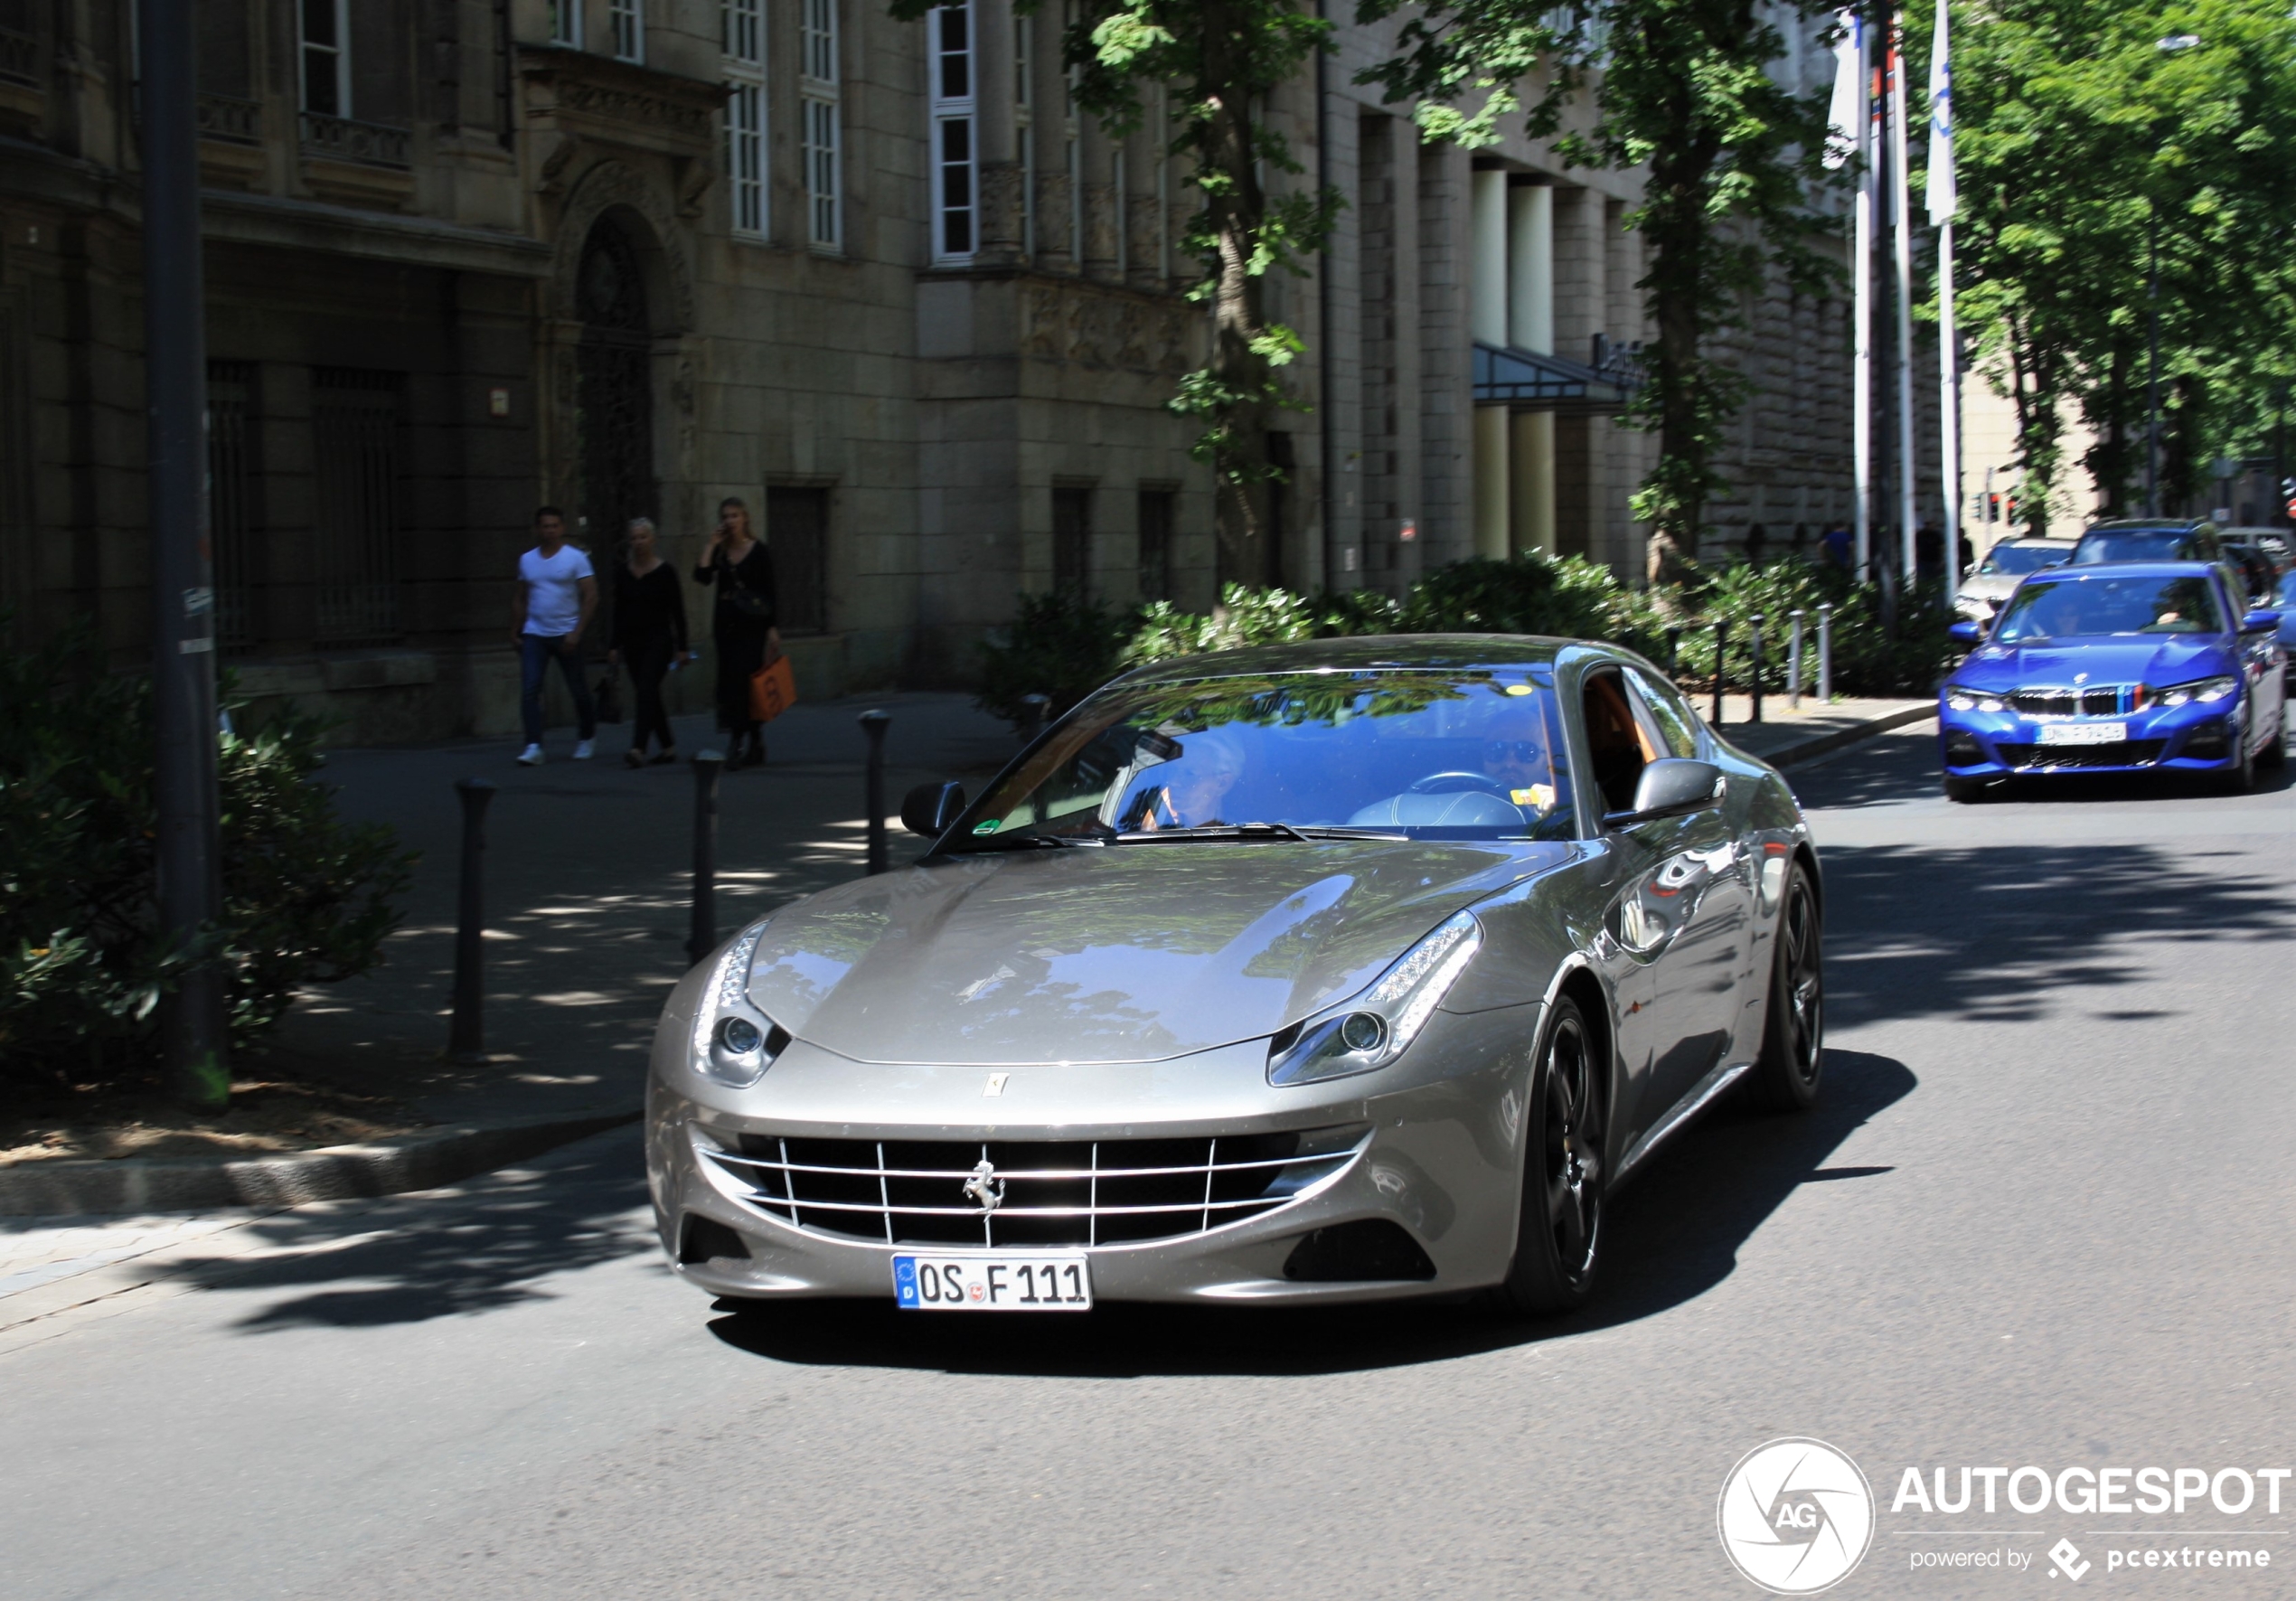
1032,1283
2083,734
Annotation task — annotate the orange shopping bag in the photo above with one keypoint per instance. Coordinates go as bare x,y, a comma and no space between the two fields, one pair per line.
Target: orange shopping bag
773,690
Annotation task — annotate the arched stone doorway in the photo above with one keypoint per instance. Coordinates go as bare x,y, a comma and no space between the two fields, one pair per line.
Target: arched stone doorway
613,388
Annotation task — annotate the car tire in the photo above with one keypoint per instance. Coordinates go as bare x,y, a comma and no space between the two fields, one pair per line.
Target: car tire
1559,1235
2274,754
2240,777
1793,1036
1965,792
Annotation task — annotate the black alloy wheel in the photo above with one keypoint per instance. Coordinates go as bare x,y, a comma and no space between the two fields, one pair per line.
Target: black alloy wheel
1793,1038
1564,1171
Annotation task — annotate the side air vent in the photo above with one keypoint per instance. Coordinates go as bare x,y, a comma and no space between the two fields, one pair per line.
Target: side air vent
1353,1253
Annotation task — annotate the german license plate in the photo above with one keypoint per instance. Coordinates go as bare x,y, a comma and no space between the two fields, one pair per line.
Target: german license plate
2083,734
993,1283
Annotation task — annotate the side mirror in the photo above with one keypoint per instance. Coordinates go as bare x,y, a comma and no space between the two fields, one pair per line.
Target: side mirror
929,808
2259,622
1669,785
1966,632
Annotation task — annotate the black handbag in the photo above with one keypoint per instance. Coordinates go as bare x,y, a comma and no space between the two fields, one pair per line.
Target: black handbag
739,597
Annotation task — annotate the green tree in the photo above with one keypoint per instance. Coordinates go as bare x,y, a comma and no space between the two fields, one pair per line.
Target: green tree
2081,140
1684,90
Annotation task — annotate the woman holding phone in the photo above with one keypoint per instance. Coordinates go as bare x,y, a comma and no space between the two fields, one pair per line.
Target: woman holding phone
744,620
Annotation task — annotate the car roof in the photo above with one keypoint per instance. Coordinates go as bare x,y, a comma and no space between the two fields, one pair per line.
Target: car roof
2126,570
2028,539
2148,525
1424,652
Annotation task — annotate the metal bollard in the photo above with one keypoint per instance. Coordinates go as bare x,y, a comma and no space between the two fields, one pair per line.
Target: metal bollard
1721,655
1033,709
1673,651
1794,662
1754,668
874,724
1825,655
701,934
467,1035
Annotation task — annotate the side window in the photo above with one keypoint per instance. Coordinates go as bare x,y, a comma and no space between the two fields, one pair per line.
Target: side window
1678,730
1619,747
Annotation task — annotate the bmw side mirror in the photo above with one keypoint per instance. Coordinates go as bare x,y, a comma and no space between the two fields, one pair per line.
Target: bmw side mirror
2259,622
1966,632
1669,786
929,808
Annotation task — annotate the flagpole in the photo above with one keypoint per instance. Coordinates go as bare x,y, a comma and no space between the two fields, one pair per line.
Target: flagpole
1948,405
1861,403
1902,224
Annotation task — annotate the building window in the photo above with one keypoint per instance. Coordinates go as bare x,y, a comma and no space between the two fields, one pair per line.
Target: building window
745,48
355,426
745,155
566,23
1155,544
818,87
230,388
327,57
798,537
628,20
1023,121
955,191
1072,541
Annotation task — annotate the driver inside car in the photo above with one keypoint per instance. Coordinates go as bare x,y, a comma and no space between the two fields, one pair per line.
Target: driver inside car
1193,788
1515,757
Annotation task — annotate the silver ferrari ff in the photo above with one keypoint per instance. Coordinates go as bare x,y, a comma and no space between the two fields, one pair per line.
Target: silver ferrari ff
1334,971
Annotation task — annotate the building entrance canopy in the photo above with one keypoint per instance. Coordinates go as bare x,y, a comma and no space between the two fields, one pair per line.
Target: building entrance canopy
1525,381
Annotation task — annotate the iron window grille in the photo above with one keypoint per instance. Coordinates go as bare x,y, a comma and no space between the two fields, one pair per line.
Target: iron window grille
356,424
230,390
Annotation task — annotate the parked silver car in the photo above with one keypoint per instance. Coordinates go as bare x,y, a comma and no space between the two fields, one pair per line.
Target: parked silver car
1324,972
1988,586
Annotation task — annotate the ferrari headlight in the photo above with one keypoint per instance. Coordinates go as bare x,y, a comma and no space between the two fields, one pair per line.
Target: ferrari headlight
1961,698
1379,1025
2204,690
733,1041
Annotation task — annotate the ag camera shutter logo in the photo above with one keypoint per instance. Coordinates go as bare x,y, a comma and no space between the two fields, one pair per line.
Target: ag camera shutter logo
1795,1516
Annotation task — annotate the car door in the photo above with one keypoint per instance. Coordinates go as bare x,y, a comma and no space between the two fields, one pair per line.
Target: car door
1677,915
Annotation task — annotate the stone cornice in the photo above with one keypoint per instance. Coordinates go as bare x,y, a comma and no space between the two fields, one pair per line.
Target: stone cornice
615,102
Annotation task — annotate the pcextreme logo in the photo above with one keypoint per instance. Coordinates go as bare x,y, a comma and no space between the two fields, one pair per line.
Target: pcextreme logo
1795,1516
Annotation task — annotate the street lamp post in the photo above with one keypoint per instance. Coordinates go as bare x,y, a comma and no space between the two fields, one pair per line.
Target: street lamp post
2175,44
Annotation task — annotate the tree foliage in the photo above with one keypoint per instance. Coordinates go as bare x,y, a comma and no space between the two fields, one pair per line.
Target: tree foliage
2078,135
1684,90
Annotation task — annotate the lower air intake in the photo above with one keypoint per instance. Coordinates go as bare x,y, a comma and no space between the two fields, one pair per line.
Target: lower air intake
1355,1253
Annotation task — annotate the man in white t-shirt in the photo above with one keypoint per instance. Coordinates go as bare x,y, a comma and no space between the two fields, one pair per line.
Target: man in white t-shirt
557,592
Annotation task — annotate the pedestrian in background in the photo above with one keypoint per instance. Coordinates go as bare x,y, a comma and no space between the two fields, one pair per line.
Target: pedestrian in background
556,593
649,634
1833,546
744,623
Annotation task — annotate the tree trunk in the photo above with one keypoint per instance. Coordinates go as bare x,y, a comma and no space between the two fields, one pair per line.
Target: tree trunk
1238,209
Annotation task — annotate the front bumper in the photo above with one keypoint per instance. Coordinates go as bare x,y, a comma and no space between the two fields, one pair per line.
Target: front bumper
1442,1160
2194,737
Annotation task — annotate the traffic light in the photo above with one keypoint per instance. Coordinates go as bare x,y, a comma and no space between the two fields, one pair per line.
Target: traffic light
1992,508
2288,496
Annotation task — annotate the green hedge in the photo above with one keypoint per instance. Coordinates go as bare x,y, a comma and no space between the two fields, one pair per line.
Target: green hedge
306,898
1064,648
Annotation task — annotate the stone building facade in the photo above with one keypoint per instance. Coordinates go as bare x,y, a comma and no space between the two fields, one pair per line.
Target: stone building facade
878,278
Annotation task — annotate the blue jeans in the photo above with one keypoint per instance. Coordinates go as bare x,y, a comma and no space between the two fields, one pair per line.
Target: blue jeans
536,651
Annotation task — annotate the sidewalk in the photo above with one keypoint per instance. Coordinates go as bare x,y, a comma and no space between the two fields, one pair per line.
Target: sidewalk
587,896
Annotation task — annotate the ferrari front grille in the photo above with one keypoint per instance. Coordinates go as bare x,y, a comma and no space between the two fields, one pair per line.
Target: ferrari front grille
1031,1193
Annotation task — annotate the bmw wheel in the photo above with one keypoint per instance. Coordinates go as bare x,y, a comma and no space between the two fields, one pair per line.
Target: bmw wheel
1794,1038
1563,1172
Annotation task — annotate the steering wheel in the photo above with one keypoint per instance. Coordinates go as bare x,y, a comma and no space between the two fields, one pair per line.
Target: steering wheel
1483,781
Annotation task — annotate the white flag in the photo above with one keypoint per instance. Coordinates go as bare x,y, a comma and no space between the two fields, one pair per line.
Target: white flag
1845,118
1944,198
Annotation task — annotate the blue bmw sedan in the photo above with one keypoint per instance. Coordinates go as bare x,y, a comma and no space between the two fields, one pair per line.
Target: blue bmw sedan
2119,667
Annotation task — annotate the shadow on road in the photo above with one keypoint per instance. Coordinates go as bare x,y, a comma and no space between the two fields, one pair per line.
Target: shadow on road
1672,1236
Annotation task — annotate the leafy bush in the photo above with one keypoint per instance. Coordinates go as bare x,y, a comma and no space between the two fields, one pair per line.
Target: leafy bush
1066,647
83,963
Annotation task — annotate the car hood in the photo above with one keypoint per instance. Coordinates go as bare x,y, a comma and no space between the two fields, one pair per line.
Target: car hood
2155,659
1990,585
1126,952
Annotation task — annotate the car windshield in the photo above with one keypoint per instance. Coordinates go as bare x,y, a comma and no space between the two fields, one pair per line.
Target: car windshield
1422,755
2017,561
2071,608
2138,545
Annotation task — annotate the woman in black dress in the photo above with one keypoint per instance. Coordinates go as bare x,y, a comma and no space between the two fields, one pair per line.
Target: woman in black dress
744,619
649,634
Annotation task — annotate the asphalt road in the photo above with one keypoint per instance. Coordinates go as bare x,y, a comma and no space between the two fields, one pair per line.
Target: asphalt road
2041,1217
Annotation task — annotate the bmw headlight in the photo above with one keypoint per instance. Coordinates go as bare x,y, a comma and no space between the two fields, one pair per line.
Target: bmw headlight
2204,690
1379,1025
1961,698
733,1041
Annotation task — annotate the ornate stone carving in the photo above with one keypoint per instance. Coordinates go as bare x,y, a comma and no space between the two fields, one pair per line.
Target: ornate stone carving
600,189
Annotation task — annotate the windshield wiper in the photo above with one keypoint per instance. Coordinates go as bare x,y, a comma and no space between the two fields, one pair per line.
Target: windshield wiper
1253,830
1025,842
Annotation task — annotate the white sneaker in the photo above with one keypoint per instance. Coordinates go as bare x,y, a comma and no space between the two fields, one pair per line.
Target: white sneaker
584,750
531,757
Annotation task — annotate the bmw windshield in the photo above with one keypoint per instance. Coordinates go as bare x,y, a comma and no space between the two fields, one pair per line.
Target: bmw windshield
1399,754
2088,607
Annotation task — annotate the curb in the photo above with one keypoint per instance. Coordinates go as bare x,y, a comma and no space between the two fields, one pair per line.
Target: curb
333,1173
1841,738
